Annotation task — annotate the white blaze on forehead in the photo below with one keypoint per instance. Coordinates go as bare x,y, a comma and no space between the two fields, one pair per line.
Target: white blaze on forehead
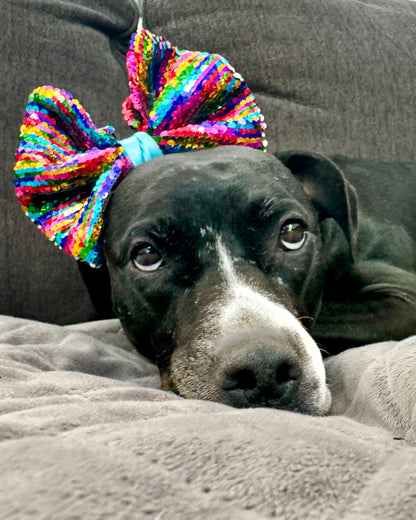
247,307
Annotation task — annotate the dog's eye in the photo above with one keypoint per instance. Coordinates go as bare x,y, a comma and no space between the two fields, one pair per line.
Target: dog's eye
293,235
146,257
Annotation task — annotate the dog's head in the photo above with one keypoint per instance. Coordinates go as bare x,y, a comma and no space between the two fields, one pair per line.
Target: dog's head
216,268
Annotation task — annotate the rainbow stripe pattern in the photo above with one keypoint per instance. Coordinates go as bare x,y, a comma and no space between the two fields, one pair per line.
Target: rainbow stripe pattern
66,167
188,100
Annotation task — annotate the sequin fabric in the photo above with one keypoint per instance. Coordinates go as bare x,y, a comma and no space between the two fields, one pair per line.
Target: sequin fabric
65,170
66,167
188,100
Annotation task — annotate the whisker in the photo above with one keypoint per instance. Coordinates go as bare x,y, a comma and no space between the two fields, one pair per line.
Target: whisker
306,318
323,351
329,382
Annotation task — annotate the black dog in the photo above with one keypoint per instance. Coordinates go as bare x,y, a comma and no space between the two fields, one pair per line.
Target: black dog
221,260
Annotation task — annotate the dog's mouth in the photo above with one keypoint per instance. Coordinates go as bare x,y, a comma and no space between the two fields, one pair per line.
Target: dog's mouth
251,356
251,370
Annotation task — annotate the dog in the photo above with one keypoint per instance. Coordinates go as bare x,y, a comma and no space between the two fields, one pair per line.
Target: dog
232,268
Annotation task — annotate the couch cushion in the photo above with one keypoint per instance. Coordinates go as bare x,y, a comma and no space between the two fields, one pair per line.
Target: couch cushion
79,46
333,76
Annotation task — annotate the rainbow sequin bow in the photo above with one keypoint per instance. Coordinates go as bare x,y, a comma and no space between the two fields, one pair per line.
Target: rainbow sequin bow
66,167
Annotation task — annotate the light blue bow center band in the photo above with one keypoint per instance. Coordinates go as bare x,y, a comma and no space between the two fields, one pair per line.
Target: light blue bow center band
140,147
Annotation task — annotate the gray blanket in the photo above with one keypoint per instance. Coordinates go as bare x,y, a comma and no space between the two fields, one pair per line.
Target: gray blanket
87,433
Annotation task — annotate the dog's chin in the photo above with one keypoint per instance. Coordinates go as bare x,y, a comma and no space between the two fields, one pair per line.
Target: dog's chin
193,379
312,403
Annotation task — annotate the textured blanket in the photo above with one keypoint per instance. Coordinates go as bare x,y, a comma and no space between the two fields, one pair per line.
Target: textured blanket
86,433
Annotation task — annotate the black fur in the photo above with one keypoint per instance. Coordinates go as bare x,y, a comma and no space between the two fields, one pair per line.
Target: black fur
353,282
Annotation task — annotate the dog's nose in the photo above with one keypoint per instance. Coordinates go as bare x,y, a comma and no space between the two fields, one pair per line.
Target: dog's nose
262,376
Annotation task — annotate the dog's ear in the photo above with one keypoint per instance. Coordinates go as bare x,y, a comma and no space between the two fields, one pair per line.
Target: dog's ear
330,192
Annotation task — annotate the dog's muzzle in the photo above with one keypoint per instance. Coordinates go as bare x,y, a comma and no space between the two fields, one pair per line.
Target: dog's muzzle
276,368
246,349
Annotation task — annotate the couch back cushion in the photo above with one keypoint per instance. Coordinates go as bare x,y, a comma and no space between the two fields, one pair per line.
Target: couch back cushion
332,76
